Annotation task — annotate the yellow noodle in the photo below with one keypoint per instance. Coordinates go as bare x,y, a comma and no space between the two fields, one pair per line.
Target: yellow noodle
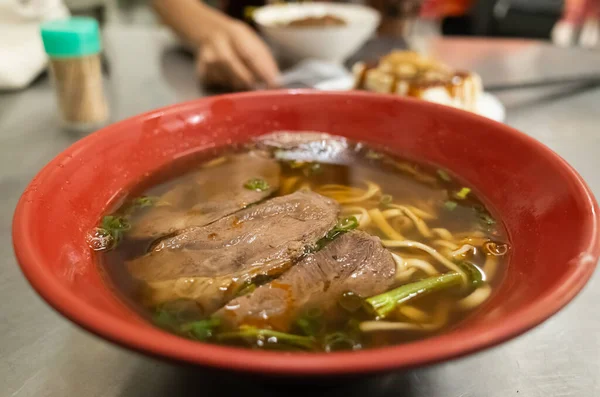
405,275
443,233
401,223
391,213
462,250
383,225
421,213
373,326
490,267
400,263
420,264
429,250
440,319
414,314
348,196
419,223
364,219
445,244
475,299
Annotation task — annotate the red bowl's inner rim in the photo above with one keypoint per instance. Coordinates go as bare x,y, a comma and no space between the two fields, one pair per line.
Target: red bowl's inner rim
156,342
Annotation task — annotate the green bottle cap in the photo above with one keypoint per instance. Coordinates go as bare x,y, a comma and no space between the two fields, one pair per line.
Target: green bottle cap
73,37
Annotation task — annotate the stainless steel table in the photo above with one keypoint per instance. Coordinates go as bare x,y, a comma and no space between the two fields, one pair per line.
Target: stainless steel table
41,354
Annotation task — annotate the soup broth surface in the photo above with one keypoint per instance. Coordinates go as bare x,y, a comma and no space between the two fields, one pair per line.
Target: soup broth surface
432,223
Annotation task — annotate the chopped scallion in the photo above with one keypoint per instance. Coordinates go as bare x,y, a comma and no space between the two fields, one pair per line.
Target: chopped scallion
444,176
386,199
462,193
257,184
450,205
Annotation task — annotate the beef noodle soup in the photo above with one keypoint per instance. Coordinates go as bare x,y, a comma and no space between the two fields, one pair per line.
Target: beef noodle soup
302,242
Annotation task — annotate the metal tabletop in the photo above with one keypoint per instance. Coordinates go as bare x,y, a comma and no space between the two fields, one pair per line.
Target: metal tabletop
42,354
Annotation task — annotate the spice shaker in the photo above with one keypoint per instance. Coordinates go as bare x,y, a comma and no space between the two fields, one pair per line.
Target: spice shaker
73,46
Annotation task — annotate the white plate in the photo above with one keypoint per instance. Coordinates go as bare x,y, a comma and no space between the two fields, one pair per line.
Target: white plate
488,105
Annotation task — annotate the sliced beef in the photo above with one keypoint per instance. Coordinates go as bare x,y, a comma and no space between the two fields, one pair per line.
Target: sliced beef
354,262
209,264
215,191
307,146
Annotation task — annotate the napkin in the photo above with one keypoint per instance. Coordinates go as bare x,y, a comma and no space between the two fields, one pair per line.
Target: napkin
21,49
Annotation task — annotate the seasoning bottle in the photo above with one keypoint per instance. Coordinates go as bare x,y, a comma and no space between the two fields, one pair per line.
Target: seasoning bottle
73,46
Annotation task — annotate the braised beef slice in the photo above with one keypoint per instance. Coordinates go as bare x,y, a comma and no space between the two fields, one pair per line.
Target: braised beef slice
210,264
307,146
216,191
355,262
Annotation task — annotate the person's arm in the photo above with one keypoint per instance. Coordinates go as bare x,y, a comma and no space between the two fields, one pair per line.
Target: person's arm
230,53
192,20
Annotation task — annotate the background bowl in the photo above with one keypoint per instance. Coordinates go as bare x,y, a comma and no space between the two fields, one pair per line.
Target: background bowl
549,213
332,43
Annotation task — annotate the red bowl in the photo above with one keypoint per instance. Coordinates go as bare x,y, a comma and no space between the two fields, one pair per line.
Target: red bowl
549,212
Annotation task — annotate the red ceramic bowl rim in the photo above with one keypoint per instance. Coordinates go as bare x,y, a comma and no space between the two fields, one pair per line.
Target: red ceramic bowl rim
158,343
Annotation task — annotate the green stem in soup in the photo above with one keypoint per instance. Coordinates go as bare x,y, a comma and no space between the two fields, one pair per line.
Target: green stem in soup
201,330
340,341
475,275
268,336
385,303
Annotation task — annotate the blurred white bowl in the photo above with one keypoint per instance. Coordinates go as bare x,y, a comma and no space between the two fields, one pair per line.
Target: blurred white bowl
329,43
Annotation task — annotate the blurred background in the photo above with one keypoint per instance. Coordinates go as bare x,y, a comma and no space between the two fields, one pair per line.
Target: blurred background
500,18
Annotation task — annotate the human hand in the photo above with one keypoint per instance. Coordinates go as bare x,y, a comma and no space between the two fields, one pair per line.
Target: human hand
234,56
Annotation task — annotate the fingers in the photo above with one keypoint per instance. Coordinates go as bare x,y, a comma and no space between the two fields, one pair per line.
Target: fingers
258,57
242,77
209,69
238,59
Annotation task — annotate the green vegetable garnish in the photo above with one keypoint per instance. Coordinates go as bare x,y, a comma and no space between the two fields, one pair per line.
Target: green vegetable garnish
144,201
269,336
113,227
311,322
165,320
450,205
257,184
385,303
246,289
201,330
340,341
462,193
474,274
444,175
112,222
343,226
386,199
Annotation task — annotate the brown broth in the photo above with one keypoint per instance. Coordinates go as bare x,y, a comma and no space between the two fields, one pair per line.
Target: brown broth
409,184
